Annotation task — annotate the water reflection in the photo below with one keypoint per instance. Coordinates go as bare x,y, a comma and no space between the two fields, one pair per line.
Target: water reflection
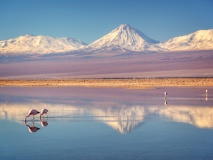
165,101
123,118
32,128
94,121
44,122
201,117
31,124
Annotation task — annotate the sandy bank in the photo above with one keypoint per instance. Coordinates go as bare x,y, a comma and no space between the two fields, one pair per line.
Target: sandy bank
124,83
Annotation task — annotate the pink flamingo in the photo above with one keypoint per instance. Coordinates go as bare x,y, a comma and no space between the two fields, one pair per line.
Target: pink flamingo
32,112
43,111
165,94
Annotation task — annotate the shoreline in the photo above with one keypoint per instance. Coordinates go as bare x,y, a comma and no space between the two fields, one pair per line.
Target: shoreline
112,83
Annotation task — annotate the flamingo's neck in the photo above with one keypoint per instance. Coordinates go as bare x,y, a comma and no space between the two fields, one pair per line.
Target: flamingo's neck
40,116
26,117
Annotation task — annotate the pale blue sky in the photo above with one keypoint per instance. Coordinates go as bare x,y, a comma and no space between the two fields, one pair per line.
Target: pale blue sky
88,20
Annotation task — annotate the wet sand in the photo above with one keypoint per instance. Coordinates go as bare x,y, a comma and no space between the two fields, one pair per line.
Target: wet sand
114,83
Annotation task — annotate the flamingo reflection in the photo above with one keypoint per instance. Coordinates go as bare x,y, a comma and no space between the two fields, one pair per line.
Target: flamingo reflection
165,102
32,128
43,120
44,123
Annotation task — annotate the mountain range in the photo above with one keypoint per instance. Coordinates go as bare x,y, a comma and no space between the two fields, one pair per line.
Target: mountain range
30,44
122,39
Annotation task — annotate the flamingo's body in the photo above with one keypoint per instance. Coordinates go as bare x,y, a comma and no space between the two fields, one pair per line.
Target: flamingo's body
32,112
165,94
43,111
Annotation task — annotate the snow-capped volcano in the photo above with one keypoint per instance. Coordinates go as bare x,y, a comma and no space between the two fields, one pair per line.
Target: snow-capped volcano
30,44
199,40
123,38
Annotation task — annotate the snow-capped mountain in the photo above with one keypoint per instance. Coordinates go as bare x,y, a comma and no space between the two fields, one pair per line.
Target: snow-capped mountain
123,38
199,40
30,44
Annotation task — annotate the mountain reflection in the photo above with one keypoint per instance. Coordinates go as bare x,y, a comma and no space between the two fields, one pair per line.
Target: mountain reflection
120,117
201,117
123,119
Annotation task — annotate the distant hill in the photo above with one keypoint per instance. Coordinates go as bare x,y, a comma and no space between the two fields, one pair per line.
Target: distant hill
30,44
199,40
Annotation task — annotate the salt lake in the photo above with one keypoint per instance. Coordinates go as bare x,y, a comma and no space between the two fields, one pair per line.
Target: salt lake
106,123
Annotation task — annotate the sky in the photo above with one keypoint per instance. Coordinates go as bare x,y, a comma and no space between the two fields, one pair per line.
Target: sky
89,20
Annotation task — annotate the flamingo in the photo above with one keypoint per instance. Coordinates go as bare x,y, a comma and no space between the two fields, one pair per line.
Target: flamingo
32,112
165,94
43,111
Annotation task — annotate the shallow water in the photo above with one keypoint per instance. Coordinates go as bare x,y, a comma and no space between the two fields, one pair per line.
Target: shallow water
104,123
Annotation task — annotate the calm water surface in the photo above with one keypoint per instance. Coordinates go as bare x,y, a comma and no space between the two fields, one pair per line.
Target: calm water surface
103,123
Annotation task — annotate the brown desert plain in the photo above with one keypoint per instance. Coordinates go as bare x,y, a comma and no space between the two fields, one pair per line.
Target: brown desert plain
128,71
